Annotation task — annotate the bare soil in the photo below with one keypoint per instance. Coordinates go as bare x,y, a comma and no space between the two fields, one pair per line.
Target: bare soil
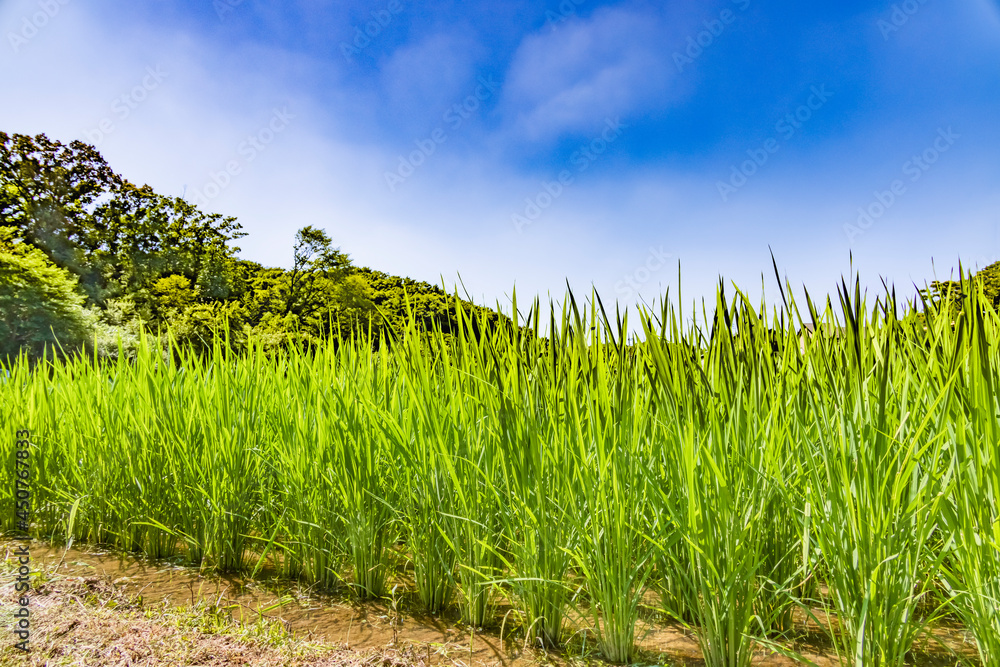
92,607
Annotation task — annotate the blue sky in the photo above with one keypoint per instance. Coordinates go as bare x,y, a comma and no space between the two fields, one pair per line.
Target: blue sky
527,143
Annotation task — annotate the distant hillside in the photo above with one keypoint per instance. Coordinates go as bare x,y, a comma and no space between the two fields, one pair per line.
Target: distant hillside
88,258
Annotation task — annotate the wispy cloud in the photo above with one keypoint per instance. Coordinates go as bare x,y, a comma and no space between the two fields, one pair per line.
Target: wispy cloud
422,78
569,80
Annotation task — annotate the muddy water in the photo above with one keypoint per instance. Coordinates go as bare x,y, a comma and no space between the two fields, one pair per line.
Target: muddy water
339,620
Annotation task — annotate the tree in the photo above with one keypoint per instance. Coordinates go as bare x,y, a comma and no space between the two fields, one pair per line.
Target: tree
321,296
118,238
40,305
140,236
144,260
316,263
173,294
48,192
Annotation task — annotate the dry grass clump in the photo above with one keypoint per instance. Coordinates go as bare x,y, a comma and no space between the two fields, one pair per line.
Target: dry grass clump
89,621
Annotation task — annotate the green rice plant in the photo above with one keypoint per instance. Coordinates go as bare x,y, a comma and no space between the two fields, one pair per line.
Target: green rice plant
787,563
733,461
716,482
470,457
669,358
874,456
613,561
720,526
671,556
124,480
768,356
305,512
358,470
541,540
972,569
606,422
228,466
427,535
536,487
475,540
421,435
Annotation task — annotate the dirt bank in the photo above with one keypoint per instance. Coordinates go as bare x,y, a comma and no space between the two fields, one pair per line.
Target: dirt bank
90,607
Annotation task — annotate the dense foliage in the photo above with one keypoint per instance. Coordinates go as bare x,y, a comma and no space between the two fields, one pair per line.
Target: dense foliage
39,302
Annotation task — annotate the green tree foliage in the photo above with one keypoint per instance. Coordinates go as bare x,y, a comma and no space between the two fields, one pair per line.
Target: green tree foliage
953,292
173,294
40,302
316,264
141,236
116,237
317,298
48,192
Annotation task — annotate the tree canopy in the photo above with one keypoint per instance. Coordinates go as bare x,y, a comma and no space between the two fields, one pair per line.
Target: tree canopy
41,305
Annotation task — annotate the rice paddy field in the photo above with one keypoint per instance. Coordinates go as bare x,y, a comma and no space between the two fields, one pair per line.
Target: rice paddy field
727,466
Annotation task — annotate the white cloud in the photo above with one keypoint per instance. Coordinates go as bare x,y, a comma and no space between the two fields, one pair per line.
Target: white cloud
423,78
572,78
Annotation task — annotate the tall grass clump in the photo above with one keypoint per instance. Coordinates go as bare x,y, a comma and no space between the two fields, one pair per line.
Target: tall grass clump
536,483
425,438
303,488
875,453
231,411
361,469
608,427
719,476
972,567
473,463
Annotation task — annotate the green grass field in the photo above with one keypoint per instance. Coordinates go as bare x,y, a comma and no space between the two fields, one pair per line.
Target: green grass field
736,468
